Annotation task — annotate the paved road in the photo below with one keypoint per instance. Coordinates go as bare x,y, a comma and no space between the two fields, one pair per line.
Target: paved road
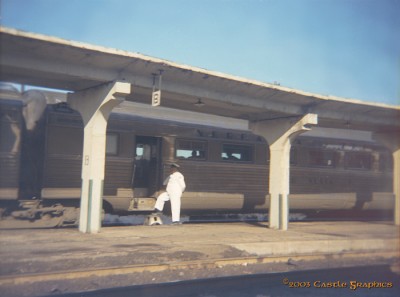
364,281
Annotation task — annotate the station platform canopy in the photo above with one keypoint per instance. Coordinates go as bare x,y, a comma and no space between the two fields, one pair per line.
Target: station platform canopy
44,61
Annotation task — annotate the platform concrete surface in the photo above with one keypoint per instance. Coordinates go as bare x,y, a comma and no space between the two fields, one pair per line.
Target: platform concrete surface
31,256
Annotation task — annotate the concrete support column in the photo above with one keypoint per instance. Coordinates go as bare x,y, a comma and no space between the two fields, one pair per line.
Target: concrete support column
279,134
392,142
95,105
396,185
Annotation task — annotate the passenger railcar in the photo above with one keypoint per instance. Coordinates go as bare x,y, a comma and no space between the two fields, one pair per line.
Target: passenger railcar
225,170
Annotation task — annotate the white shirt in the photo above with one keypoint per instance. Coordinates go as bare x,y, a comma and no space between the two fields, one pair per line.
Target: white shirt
175,182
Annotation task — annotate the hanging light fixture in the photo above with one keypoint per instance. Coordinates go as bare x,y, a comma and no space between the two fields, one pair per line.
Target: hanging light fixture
199,103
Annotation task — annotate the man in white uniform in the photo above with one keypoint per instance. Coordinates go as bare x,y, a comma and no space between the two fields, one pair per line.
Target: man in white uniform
175,183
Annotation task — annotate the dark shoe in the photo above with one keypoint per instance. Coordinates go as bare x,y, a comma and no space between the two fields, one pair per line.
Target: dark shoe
156,212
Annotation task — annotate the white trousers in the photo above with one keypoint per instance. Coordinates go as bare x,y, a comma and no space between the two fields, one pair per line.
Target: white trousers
175,199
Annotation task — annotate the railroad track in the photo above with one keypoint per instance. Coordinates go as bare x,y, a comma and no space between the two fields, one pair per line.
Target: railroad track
134,220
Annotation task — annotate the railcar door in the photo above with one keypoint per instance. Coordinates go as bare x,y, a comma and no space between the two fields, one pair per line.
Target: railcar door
146,171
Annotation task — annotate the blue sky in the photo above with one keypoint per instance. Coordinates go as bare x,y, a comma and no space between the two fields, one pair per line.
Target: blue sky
344,48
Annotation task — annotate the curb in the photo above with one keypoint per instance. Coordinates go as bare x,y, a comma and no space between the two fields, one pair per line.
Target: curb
209,264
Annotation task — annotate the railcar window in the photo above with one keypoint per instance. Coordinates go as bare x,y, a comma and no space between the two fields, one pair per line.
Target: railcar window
322,158
145,151
240,153
139,151
191,150
357,160
112,144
